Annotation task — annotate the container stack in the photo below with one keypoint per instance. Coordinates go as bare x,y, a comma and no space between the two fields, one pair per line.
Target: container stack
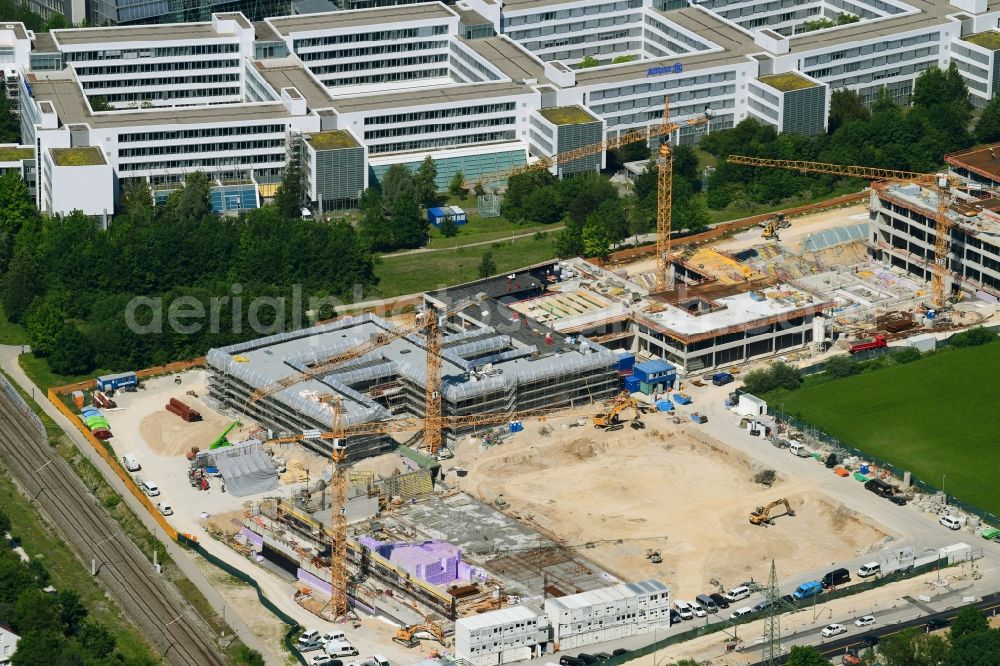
177,407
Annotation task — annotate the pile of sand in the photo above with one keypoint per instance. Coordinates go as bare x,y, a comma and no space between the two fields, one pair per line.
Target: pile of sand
169,435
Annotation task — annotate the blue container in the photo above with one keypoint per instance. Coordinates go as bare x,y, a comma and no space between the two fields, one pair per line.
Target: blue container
654,370
625,362
632,384
664,406
516,426
864,469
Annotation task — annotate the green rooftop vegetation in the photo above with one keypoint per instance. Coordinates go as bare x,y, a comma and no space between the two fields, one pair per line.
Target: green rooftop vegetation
85,156
988,40
567,115
332,140
11,154
787,81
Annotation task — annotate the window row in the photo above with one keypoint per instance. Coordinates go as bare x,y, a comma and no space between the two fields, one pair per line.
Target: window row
380,64
608,8
875,47
450,112
208,162
183,148
364,52
456,140
162,52
410,130
378,36
165,81
331,82
237,130
107,70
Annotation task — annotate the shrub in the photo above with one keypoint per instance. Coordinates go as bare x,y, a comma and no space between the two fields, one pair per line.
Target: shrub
972,337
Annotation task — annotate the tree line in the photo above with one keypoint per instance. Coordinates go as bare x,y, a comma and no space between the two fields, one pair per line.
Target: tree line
54,627
70,282
595,215
886,135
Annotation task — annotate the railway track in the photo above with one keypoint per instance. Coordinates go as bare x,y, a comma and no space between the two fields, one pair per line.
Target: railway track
166,619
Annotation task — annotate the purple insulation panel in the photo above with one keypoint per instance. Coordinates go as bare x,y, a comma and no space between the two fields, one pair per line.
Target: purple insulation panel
251,537
315,583
437,562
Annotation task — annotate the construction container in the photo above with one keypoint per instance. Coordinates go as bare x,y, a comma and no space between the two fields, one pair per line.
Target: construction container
660,371
632,384
78,399
115,382
625,362
646,388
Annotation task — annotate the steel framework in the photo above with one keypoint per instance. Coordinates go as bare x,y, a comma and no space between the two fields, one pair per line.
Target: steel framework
940,182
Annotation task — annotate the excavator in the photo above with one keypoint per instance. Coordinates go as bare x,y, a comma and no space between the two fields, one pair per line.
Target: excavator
762,516
408,635
773,225
610,417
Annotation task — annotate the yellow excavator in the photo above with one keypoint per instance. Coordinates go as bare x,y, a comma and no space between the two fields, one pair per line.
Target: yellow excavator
611,417
773,226
762,516
408,635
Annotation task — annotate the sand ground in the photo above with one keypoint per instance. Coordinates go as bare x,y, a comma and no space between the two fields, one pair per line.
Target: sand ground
668,487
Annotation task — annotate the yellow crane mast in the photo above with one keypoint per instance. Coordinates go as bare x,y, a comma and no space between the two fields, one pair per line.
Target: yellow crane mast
939,181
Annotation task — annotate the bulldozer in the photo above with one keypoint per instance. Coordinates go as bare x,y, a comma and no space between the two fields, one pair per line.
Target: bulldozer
611,417
773,226
408,635
762,516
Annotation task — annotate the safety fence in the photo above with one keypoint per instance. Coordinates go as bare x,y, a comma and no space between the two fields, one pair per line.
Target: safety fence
730,626
835,443
23,407
293,625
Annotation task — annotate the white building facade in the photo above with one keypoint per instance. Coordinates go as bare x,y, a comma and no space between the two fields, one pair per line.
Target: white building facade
405,82
502,636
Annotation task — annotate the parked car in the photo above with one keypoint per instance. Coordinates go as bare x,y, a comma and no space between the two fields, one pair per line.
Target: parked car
340,649
324,660
312,636
787,599
761,605
675,617
865,621
332,636
951,522
831,630
740,612
719,600
936,623
130,463
602,656
587,658
807,589
697,609
618,651
310,647
567,660
165,508
899,500
869,569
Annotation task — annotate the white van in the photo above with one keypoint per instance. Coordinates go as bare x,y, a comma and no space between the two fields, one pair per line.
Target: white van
799,450
333,636
697,609
130,463
684,610
740,612
951,522
149,488
737,593
340,649
869,569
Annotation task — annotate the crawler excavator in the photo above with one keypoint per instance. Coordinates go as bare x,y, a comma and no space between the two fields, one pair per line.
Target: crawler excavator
611,417
762,516
408,635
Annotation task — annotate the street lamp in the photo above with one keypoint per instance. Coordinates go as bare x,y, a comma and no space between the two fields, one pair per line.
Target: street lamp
938,562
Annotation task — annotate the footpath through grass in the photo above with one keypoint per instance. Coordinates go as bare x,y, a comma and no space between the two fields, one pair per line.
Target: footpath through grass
935,417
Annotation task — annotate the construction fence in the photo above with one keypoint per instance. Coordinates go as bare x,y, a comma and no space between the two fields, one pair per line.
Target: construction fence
731,627
821,437
293,626
23,407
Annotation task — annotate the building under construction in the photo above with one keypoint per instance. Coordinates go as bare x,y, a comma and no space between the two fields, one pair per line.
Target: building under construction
507,365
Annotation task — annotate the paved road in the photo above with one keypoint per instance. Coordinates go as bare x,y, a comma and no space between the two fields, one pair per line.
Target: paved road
836,648
166,619
181,557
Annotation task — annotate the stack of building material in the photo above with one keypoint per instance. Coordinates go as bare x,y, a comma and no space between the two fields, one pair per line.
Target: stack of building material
433,561
177,407
96,422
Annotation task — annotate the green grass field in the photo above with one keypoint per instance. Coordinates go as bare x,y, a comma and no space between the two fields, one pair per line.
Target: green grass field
424,271
934,417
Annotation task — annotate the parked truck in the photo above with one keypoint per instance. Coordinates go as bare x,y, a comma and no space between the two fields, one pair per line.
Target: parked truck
875,343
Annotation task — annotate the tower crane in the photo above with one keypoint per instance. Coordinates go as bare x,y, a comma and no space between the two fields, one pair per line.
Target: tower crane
340,483
664,174
941,182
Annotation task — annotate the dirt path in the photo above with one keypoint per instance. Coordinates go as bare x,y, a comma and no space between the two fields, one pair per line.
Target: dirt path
501,239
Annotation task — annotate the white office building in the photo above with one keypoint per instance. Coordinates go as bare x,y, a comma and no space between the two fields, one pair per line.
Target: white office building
502,636
607,614
480,87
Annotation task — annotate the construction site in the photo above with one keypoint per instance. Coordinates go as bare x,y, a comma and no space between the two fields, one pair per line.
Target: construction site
526,445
